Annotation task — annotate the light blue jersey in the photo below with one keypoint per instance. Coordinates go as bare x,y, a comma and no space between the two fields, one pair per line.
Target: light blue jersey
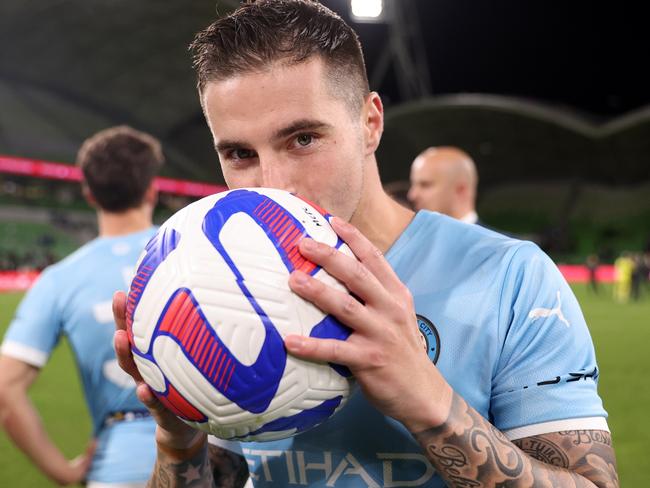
501,324
73,298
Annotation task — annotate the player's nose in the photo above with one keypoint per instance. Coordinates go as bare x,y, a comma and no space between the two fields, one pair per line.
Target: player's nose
274,174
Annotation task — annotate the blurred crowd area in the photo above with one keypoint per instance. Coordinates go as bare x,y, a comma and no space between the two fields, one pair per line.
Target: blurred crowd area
32,260
42,221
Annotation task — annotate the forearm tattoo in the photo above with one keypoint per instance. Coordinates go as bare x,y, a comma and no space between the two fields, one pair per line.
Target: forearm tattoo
588,453
195,472
211,467
468,451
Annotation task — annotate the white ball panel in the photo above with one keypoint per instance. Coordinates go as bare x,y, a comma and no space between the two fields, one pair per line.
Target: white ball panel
249,248
150,373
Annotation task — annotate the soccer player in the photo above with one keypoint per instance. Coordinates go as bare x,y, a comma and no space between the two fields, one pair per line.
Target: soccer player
474,362
444,179
73,299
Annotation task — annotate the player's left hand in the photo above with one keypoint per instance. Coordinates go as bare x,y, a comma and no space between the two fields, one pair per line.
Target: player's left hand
384,351
76,470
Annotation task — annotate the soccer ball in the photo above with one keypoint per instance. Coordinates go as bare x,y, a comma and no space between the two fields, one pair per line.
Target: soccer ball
209,308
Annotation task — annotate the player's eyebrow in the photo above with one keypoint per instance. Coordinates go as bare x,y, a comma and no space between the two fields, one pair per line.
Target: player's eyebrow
297,126
226,145
300,125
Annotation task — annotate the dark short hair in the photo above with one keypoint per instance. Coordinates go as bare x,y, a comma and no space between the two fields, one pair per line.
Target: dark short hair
260,33
118,166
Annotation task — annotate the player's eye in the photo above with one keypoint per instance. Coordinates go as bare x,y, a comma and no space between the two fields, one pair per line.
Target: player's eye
304,139
239,155
242,153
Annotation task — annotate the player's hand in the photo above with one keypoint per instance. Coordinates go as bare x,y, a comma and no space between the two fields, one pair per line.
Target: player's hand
76,470
384,351
171,432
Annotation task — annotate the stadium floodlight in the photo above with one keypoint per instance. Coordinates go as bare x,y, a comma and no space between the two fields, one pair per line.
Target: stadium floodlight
367,10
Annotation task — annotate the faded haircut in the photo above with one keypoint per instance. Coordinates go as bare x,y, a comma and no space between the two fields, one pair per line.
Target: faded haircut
265,32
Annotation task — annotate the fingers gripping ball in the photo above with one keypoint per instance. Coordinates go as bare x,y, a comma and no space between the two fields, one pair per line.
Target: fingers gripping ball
210,305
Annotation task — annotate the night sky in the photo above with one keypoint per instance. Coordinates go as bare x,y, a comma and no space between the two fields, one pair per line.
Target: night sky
571,54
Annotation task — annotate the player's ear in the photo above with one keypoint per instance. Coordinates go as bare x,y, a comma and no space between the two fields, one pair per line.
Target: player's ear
373,122
461,188
151,195
88,195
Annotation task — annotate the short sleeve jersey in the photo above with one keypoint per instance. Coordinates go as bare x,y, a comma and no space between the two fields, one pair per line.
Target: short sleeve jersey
73,298
504,328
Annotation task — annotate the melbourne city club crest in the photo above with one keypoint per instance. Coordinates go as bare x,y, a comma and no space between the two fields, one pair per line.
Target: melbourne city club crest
430,337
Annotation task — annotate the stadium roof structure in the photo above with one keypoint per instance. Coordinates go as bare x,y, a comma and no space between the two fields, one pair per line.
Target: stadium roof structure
71,67
517,140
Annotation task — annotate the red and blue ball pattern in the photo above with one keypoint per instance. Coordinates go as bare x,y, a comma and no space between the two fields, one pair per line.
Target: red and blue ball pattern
252,387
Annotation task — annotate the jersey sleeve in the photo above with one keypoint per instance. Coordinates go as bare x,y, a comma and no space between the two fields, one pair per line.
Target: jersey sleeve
36,326
545,379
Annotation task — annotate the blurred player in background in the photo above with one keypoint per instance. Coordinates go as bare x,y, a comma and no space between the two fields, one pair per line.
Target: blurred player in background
444,179
73,299
623,271
473,360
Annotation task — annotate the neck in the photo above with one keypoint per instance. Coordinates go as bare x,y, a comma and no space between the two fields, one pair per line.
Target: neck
380,218
468,215
112,224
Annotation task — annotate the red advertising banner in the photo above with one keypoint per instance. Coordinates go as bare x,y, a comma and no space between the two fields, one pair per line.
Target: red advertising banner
580,274
67,172
17,280
22,280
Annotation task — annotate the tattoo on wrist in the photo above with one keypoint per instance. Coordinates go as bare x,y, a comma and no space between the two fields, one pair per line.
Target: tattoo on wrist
195,472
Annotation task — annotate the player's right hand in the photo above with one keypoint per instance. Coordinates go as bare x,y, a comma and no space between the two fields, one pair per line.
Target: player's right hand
172,433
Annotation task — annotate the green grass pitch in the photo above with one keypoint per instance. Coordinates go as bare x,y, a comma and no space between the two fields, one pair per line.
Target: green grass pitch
621,335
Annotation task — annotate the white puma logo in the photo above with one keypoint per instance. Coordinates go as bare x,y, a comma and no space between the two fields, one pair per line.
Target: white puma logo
547,312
